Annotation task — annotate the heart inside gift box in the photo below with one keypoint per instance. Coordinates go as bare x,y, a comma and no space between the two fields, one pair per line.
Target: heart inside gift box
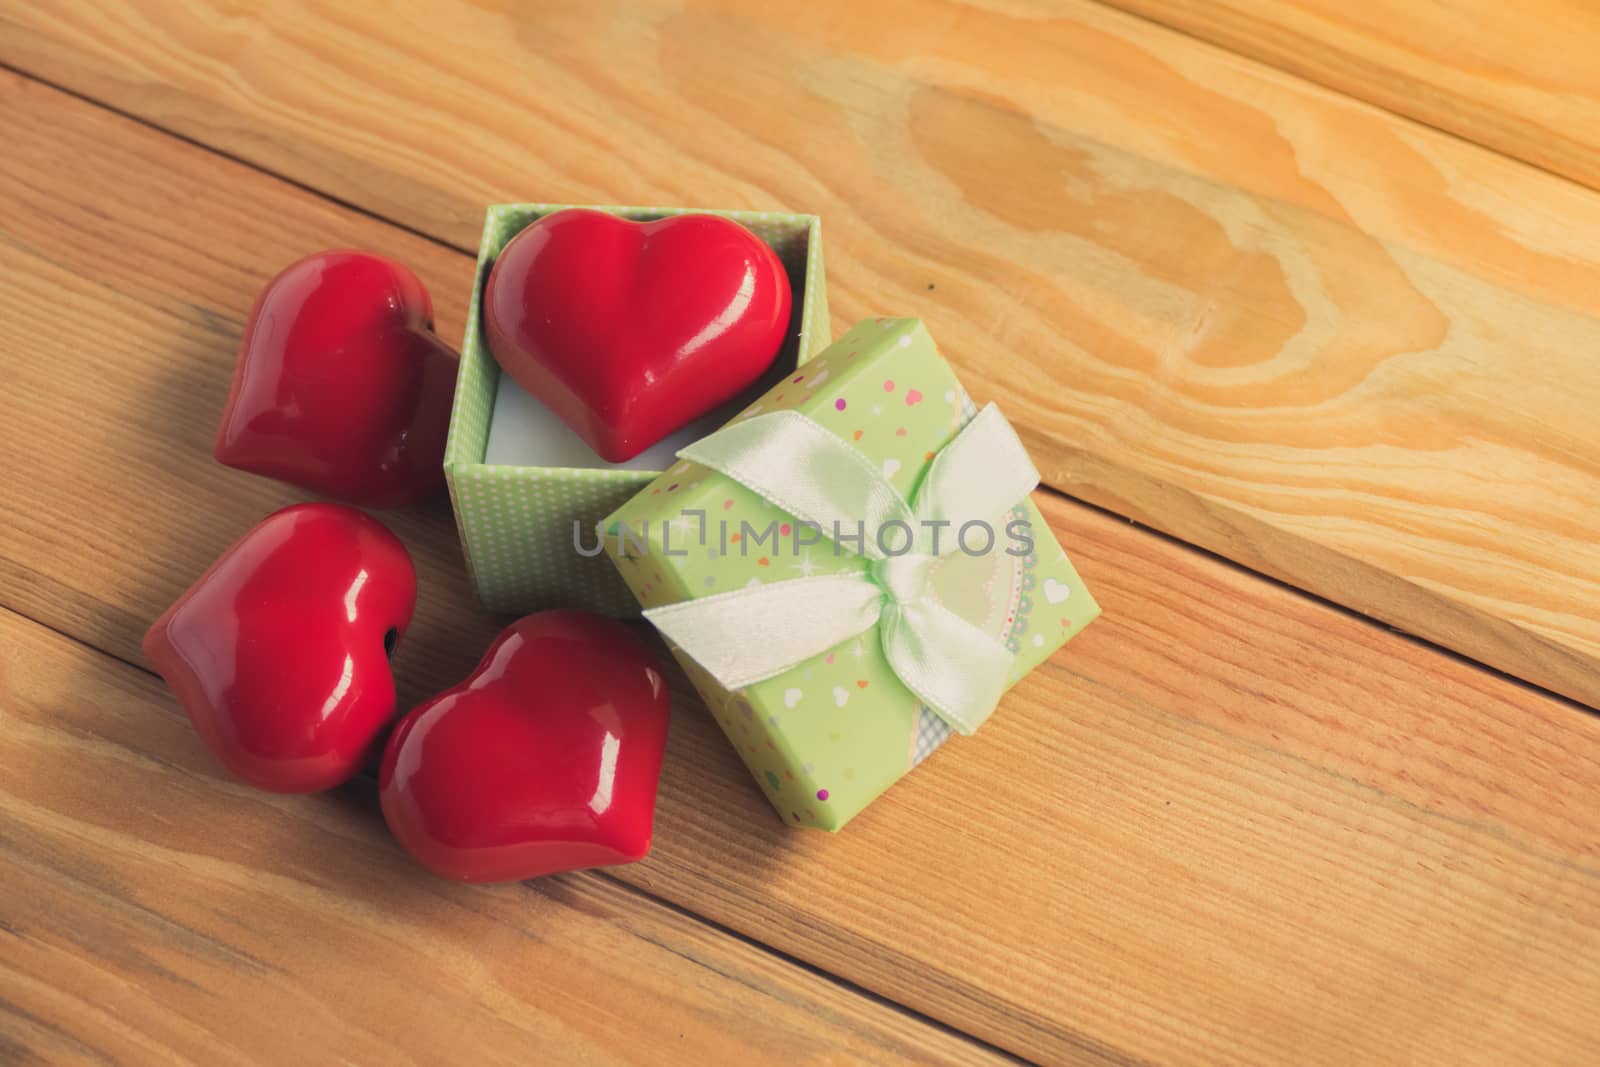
527,491
630,331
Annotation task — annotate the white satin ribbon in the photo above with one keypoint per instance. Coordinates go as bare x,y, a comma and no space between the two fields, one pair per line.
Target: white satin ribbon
752,634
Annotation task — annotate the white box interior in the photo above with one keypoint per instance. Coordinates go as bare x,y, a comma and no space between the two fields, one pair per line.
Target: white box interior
525,433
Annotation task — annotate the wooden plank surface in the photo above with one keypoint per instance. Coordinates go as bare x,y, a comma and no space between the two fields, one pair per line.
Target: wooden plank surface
155,911
1229,823
1520,78
1330,344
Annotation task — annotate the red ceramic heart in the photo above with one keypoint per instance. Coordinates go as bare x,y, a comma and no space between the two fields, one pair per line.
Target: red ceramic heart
341,386
544,759
280,651
629,331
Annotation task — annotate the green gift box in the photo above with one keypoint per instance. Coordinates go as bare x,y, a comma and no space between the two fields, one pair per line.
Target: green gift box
526,489
826,735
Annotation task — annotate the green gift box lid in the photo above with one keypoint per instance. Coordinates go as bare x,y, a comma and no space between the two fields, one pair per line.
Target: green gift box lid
523,502
825,737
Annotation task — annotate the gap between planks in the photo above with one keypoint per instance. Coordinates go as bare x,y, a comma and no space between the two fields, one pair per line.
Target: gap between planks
1286,35
1309,207
828,1011
1277,767
471,253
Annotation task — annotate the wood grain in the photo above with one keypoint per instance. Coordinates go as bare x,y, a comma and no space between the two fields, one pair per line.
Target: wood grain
1520,78
1318,339
157,912
1228,823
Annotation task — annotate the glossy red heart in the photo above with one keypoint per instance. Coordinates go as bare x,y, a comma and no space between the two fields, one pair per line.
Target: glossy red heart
629,331
280,651
544,759
341,386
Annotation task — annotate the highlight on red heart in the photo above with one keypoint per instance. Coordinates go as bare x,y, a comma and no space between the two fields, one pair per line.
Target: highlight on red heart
279,653
341,386
544,759
628,330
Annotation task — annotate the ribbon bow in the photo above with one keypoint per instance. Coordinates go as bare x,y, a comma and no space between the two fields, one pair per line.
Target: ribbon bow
752,634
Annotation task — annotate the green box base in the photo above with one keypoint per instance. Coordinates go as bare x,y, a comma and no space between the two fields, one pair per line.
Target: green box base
517,523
